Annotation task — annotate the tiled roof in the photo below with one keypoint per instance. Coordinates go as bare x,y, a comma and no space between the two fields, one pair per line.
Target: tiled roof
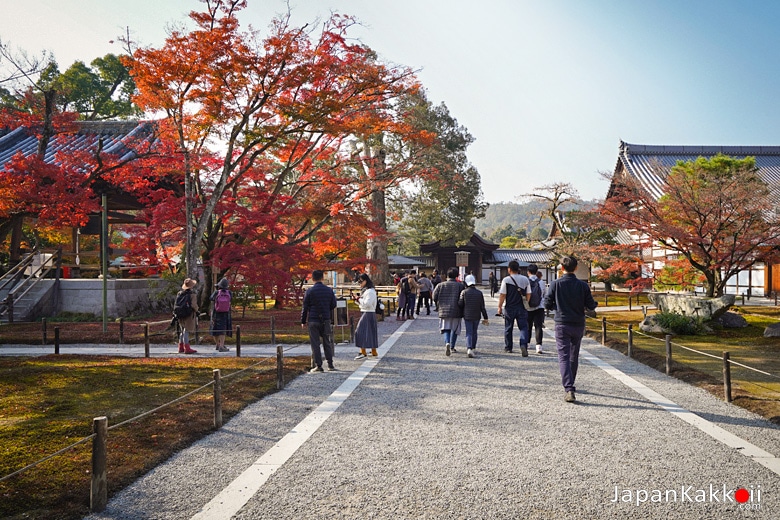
521,255
399,260
650,164
117,137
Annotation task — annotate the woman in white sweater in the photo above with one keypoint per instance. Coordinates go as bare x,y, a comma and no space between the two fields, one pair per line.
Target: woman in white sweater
366,336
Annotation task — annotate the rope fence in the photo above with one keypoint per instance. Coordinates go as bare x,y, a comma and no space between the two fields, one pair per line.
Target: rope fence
664,347
98,500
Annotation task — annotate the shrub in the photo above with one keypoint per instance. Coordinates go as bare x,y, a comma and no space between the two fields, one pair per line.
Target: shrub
679,324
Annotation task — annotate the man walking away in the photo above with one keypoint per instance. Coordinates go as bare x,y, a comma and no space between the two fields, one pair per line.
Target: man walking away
515,288
435,280
446,296
426,288
318,304
472,301
536,306
569,297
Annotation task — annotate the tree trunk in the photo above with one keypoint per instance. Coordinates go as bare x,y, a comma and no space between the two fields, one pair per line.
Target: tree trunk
379,270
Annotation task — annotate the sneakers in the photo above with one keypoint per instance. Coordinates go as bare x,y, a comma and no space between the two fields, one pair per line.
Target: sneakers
360,356
539,349
223,349
447,352
508,350
470,353
570,397
524,350
315,370
331,368
452,349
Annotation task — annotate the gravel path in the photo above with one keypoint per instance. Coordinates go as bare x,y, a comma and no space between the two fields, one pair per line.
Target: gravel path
428,436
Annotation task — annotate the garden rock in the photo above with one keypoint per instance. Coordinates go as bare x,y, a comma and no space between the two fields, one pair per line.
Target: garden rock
772,331
732,320
696,306
651,326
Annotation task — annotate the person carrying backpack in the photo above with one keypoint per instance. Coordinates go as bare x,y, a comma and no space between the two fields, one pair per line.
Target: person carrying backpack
221,319
186,312
536,306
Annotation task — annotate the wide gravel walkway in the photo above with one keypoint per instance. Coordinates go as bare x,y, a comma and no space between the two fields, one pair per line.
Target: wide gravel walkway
421,435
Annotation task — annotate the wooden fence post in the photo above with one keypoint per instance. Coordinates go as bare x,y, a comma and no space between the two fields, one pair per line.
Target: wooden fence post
43,330
238,340
630,341
727,377
217,399
603,330
668,354
146,339
273,330
279,367
351,329
99,488
56,340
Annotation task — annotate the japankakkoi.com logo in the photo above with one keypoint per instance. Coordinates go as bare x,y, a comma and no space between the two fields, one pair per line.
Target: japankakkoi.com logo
746,497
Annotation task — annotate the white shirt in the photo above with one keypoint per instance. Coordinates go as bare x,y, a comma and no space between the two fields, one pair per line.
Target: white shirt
515,279
367,300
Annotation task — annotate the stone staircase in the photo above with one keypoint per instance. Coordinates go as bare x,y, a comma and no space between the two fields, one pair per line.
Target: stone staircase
27,290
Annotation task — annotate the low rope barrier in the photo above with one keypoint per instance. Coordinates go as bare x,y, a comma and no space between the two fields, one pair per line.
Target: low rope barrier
139,416
725,358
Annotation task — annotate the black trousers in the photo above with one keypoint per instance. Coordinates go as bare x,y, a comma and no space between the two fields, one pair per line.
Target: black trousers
427,297
536,324
321,330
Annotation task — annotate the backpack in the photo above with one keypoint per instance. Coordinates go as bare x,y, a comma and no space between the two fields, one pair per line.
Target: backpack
222,301
405,288
536,293
183,306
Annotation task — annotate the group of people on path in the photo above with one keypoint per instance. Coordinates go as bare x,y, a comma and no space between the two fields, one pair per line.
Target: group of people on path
522,302
414,292
186,314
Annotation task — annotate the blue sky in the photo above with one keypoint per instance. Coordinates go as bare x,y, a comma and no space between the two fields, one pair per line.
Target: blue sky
548,88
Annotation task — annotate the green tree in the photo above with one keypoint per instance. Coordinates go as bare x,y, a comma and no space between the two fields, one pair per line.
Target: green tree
445,202
714,212
102,91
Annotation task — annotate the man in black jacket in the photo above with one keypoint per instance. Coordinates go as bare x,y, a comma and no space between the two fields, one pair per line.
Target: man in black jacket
318,304
472,301
569,296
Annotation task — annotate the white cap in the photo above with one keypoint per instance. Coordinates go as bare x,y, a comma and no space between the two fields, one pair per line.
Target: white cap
470,280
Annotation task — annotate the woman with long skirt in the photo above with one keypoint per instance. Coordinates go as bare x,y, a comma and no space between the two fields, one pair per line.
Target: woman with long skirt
366,336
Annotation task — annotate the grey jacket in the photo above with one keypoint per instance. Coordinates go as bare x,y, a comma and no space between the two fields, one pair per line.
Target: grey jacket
447,294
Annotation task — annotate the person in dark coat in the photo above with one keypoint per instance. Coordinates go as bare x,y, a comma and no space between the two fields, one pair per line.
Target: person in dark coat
569,297
221,324
472,301
446,295
318,304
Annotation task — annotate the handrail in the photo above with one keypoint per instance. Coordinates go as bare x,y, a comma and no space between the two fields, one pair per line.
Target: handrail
36,275
20,267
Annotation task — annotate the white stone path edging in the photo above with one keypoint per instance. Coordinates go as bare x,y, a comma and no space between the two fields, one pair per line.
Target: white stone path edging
231,499
747,449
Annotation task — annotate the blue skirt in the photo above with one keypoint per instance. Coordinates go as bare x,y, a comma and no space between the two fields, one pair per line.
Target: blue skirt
366,335
221,324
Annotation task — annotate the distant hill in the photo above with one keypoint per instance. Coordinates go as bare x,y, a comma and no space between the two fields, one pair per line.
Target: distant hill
521,216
